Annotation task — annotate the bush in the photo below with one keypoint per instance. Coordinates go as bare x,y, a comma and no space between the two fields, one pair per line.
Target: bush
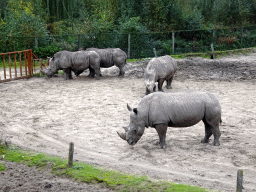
44,52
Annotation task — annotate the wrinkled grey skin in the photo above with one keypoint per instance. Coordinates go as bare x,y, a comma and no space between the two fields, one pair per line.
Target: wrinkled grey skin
159,69
73,61
177,109
110,57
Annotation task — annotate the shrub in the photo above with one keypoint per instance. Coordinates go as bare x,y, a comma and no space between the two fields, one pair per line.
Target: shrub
44,52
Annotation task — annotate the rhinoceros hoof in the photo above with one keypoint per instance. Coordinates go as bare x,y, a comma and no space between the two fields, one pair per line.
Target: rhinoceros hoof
215,143
160,145
121,76
163,146
168,87
205,141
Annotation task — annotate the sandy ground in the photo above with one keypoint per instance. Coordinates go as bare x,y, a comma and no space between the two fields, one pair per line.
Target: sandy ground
46,114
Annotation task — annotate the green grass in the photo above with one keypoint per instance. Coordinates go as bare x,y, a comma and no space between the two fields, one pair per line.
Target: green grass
217,53
83,172
2,167
43,75
18,64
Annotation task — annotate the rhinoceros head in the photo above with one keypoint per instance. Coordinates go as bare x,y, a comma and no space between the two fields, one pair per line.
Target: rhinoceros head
51,69
135,130
149,80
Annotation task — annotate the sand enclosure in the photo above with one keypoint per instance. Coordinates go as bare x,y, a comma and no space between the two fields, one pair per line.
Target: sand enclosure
46,114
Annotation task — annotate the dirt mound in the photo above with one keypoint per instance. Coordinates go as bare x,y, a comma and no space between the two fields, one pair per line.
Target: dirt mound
217,69
226,69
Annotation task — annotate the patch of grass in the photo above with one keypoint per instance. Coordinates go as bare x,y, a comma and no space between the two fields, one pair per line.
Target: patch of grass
83,172
43,75
131,60
182,56
37,65
2,167
217,53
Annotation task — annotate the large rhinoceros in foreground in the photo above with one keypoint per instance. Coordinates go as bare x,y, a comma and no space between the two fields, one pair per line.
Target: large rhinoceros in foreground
176,109
110,57
73,61
159,69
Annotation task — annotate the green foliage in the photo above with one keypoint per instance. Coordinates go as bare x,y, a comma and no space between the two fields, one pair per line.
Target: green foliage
20,21
61,9
192,19
140,38
50,26
19,25
132,26
44,52
3,4
163,15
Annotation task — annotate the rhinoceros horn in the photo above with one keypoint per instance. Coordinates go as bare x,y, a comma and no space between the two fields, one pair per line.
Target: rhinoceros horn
122,135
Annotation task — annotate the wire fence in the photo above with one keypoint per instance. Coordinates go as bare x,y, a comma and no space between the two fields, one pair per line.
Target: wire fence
138,45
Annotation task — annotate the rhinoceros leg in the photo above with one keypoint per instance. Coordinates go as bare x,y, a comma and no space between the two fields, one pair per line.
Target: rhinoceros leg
209,130
94,72
68,74
161,130
121,73
160,84
169,83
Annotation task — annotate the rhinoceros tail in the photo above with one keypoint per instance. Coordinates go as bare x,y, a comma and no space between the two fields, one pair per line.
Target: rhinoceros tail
220,121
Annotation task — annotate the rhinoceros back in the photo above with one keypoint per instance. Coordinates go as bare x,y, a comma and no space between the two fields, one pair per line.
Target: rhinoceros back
110,56
63,59
164,66
179,109
80,60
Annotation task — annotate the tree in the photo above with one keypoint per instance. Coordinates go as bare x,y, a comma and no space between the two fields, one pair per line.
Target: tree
3,4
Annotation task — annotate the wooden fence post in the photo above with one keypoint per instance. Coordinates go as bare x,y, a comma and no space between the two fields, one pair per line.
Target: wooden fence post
40,63
30,63
4,67
173,43
129,39
70,154
154,50
10,66
239,183
212,55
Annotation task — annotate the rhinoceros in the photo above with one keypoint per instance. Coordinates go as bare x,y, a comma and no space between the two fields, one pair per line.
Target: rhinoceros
73,61
159,69
110,57
176,109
